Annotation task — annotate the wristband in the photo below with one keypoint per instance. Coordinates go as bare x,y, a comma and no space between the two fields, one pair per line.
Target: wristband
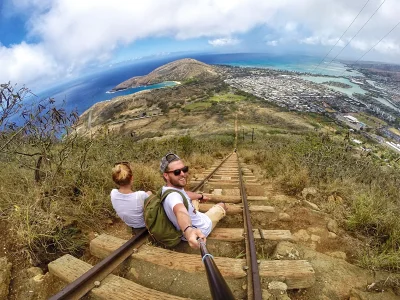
202,196
190,226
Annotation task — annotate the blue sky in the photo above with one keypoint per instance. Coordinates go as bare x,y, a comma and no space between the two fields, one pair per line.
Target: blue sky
44,41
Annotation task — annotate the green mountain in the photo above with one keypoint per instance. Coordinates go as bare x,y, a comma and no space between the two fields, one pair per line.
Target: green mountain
179,70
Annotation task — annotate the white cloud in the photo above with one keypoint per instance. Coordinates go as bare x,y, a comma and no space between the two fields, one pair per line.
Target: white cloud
316,40
24,63
333,41
388,47
73,34
361,45
291,26
311,40
223,42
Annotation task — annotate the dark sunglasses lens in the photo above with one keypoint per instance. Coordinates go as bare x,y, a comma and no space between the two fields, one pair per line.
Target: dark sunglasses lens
177,172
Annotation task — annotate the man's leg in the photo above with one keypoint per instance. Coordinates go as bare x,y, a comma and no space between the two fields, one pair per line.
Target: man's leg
216,213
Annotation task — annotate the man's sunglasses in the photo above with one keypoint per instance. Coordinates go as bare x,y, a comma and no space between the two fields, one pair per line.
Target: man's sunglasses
126,163
177,172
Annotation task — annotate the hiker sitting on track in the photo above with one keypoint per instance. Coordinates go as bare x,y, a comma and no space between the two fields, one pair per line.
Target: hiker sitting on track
127,203
193,223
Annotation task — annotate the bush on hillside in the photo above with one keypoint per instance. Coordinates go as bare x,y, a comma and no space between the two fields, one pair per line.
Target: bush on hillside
368,193
294,181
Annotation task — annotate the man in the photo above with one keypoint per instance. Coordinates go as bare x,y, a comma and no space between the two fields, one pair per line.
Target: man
193,223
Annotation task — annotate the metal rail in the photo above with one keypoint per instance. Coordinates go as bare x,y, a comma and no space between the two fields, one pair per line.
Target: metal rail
210,175
254,279
84,283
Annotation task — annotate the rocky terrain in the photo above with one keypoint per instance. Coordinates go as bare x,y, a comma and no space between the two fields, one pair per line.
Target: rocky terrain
179,70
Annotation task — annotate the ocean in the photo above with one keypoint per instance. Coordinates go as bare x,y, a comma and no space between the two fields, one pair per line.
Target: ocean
82,93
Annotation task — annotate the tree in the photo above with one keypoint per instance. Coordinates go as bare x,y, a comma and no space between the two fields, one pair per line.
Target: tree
164,107
11,99
32,130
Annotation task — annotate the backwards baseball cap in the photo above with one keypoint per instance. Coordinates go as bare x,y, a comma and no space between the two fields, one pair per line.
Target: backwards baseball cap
166,160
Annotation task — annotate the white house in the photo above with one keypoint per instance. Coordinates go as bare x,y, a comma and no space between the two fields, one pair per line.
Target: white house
351,119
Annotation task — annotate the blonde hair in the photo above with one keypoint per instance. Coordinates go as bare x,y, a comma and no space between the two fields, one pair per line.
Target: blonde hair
122,174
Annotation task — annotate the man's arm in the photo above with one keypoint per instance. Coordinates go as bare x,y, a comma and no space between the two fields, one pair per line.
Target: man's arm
183,218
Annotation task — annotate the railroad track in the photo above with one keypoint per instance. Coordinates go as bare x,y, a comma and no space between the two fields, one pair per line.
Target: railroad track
240,244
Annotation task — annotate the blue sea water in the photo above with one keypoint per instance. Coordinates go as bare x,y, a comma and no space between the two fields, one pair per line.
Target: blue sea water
82,93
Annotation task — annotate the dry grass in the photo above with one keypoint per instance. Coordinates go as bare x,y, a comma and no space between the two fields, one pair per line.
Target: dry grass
51,217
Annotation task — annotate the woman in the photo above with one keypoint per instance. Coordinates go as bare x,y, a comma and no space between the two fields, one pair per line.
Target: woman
127,203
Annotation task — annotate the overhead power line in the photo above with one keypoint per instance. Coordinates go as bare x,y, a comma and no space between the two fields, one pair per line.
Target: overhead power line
341,36
376,44
356,33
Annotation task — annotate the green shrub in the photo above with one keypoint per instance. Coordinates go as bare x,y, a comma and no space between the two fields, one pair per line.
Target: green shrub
294,181
146,177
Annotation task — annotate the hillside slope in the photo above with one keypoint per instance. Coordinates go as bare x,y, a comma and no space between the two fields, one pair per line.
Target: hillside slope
178,70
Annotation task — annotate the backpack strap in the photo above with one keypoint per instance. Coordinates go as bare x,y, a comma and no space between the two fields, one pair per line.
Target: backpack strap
169,191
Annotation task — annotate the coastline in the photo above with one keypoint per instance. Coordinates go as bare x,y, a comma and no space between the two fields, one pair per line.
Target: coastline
145,87
98,87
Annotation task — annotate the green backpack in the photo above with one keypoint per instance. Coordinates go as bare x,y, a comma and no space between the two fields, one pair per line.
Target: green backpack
157,222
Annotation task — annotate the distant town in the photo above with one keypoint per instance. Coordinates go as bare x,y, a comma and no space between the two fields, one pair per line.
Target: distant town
293,91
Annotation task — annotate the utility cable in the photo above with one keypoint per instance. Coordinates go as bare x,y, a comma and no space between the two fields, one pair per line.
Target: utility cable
356,33
341,36
374,45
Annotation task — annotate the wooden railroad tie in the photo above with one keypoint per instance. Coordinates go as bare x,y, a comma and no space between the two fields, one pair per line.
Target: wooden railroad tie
233,209
69,268
296,273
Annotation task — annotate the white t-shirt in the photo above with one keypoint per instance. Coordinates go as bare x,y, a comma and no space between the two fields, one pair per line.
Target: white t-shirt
200,220
129,207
